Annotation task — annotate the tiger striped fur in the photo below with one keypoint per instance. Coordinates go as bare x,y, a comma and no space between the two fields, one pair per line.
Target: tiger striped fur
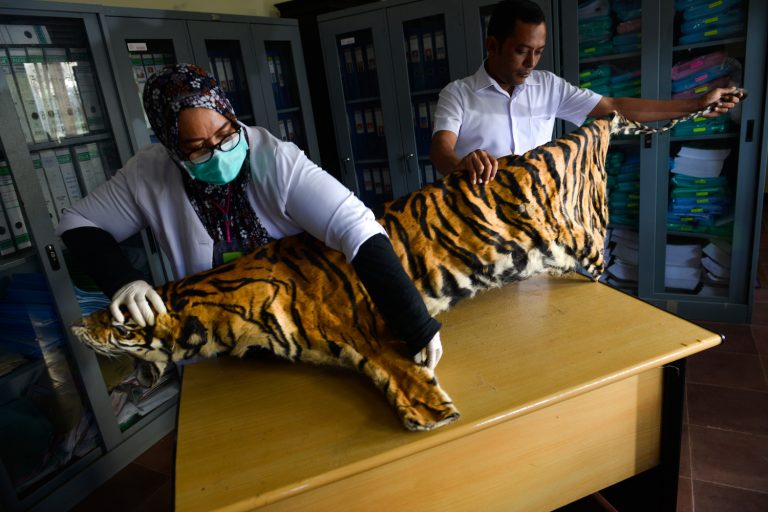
545,211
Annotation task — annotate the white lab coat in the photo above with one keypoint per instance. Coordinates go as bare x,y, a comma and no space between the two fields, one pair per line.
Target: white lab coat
288,192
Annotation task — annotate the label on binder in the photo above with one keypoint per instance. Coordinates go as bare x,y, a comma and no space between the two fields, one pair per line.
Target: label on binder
367,180
439,45
415,56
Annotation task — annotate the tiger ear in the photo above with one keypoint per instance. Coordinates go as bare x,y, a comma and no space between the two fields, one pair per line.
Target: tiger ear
149,372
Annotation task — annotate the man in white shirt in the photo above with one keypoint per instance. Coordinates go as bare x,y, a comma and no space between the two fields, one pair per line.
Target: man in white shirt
508,107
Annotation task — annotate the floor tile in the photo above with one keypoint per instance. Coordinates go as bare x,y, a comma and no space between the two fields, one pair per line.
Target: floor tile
728,408
124,492
738,337
760,313
729,458
161,500
684,495
708,497
685,454
727,369
160,457
760,337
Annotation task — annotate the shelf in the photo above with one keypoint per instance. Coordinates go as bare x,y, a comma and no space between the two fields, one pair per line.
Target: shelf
426,92
691,234
615,56
17,259
363,100
71,141
716,136
708,44
288,110
368,161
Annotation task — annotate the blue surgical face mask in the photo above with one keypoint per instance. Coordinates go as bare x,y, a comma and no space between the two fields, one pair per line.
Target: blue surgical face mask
222,167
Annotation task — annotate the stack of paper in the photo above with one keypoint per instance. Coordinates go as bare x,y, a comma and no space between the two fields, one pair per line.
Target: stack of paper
699,162
716,264
623,188
621,257
683,266
700,197
29,324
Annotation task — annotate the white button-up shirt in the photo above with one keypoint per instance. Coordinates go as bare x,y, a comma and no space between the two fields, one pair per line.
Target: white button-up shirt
485,116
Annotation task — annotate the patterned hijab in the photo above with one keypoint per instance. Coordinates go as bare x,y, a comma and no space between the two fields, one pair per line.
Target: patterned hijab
166,94
174,88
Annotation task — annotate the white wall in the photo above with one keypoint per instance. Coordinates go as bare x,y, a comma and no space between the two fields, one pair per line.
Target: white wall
244,7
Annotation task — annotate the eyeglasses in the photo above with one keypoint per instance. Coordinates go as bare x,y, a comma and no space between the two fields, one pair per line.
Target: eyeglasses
202,155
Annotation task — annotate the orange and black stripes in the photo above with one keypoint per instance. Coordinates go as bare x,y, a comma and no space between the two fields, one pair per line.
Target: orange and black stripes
545,211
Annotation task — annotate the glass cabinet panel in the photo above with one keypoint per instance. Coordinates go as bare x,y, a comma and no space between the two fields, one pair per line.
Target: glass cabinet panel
364,115
139,47
61,111
46,424
609,45
709,47
225,62
428,73
285,92
147,56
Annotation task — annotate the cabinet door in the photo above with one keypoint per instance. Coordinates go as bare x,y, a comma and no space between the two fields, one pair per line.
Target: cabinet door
139,46
59,140
361,86
477,14
226,50
428,49
603,50
285,86
708,168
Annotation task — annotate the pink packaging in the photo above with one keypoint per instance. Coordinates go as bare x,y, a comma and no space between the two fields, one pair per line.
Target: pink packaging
629,26
702,89
687,68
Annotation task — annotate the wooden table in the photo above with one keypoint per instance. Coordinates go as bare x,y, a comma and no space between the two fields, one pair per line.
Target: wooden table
560,386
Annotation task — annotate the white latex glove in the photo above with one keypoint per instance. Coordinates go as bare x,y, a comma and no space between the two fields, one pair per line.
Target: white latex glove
431,354
137,296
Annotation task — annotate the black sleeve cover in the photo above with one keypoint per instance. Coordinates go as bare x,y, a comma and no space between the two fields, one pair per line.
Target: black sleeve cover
100,255
393,293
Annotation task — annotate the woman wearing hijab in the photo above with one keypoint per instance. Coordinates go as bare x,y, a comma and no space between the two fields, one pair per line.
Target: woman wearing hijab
214,189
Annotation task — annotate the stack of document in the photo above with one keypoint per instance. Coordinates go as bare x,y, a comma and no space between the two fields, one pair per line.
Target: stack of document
623,188
700,197
683,266
621,258
709,21
29,324
595,28
716,265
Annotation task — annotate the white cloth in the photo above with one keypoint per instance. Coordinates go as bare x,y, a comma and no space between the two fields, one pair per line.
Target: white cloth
288,192
485,116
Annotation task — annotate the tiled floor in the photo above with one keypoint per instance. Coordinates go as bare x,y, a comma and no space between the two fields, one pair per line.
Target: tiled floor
724,459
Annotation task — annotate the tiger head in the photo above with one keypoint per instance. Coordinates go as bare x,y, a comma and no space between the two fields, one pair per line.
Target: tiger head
152,344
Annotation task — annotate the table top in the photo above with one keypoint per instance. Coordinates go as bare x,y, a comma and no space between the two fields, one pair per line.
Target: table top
254,431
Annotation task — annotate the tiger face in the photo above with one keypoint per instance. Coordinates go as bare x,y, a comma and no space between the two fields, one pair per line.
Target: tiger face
110,338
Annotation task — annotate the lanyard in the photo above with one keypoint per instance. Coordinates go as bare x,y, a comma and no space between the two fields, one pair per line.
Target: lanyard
225,212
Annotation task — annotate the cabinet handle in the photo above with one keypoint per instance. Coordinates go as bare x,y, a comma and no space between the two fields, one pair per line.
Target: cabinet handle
53,258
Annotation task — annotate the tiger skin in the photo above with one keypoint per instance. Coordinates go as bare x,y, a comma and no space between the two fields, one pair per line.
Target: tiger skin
545,211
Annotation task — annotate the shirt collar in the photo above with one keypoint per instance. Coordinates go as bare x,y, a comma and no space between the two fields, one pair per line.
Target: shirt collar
482,80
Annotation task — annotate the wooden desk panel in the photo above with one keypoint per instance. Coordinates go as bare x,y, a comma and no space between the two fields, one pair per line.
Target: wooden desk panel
252,433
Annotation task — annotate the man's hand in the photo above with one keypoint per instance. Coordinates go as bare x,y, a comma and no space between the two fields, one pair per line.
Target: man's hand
431,354
137,296
726,99
481,166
